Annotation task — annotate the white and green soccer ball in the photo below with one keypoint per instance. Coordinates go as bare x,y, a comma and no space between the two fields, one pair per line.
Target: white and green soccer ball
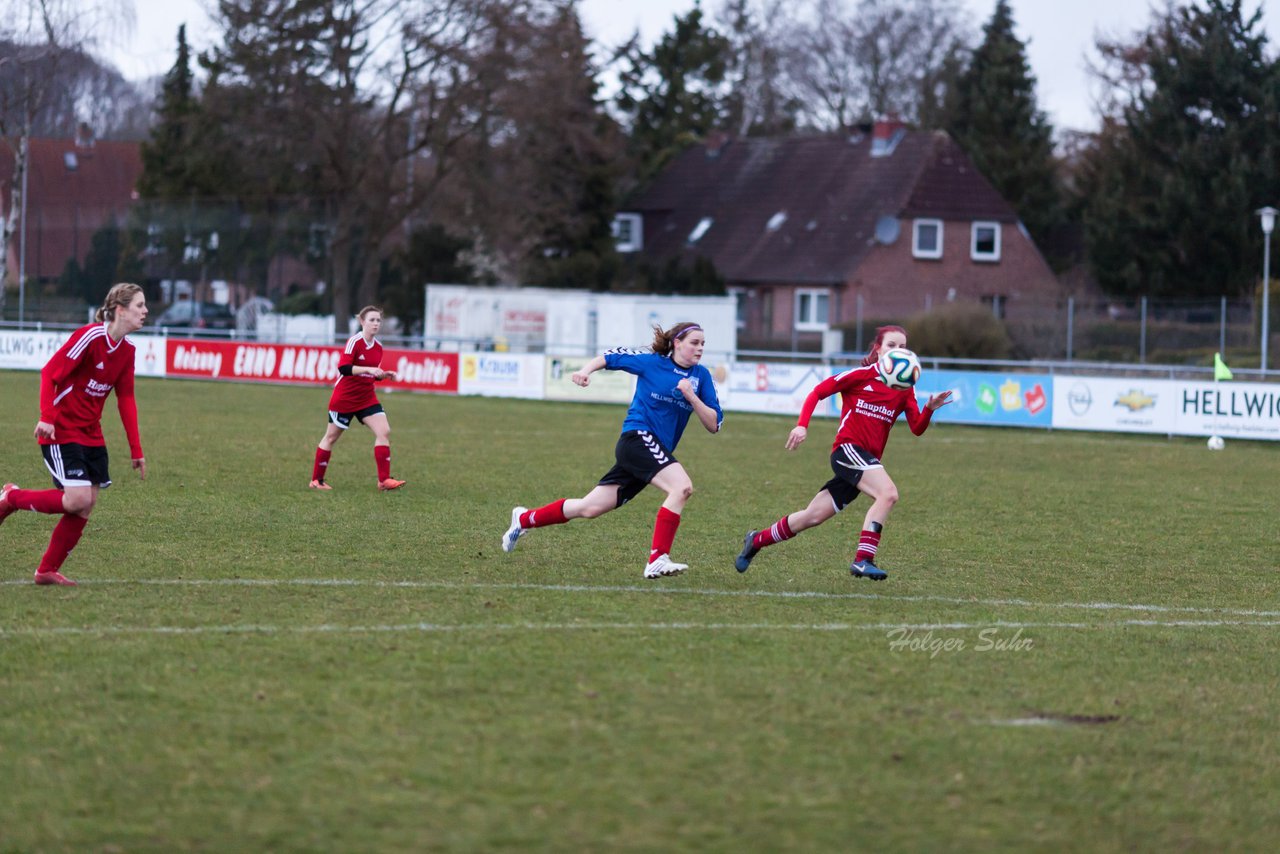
899,368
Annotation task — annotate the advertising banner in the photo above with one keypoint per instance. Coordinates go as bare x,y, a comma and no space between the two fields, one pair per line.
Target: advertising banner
1120,405
502,374
777,387
29,350
281,363
605,387
978,397
1242,410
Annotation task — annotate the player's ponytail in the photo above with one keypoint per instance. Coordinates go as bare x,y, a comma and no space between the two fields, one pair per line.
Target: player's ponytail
664,343
120,294
874,352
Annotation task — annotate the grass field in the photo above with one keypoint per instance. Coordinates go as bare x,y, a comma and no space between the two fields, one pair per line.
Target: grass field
1075,650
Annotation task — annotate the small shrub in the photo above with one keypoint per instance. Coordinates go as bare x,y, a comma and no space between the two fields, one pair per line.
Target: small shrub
958,331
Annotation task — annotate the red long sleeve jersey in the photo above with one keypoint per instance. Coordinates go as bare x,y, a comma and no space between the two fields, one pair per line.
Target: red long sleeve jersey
868,408
354,393
75,383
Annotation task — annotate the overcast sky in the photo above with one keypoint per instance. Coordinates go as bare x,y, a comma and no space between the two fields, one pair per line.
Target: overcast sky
1058,33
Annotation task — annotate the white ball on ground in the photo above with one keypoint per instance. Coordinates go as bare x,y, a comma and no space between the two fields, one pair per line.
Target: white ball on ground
1216,443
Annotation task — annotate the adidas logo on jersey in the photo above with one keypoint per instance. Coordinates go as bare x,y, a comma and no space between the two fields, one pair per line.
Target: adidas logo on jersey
99,366
868,387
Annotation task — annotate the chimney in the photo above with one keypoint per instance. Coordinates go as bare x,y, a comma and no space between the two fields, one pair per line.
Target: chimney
84,136
886,133
715,142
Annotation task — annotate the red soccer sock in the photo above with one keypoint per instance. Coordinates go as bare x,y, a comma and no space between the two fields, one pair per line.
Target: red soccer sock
775,533
664,533
552,514
38,500
868,544
321,466
382,457
65,536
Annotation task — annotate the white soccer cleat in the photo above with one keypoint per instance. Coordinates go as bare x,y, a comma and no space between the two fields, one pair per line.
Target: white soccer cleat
513,533
662,566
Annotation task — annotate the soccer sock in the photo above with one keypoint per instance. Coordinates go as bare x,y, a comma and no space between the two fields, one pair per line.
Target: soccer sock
868,544
382,457
664,533
65,536
775,533
321,467
552,514
38,500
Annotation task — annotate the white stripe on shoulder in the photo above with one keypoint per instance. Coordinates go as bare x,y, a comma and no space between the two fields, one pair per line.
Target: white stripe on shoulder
77,349
351,342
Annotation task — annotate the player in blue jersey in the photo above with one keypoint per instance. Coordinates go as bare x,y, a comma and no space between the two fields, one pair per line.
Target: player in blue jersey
671,385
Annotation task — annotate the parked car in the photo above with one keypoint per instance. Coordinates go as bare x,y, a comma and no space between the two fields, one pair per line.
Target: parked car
197,315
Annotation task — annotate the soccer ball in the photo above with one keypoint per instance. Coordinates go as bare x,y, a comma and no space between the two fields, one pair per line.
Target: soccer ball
899,368
1216,443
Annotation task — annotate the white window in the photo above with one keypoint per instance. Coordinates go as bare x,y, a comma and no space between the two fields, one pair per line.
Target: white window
811,310
700,229
926,238
628,232
984,241
740,303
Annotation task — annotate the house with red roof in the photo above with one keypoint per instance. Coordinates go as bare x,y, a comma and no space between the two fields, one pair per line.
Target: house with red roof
817,233
74,187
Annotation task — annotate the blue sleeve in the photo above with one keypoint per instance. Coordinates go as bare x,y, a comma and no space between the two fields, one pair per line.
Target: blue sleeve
622,359
707,394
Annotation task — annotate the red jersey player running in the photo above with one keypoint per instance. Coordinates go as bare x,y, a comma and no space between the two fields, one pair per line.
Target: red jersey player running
868,411
73,388
353,397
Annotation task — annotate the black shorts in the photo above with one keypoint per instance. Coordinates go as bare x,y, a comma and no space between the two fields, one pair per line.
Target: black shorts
640,456
343,419
849,462
77,465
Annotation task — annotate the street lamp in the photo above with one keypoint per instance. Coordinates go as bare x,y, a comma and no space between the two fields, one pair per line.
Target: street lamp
1268,215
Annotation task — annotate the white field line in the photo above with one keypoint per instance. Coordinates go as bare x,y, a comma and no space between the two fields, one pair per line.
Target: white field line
656,588
482,628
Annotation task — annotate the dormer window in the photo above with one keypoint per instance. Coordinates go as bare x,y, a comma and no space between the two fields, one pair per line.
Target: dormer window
884,146
775,222
926,238
700,229
628,232
984,241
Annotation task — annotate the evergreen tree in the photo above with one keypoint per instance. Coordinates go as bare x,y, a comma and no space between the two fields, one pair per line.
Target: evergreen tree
1173,183
572,149
995,119
673,94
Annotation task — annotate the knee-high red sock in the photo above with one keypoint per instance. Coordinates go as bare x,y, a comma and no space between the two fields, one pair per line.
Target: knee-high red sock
382,457
775,533
39,500
552,514
664,532
321,466
65,536
868,545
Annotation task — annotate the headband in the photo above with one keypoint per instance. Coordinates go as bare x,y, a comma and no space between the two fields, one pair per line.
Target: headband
687,330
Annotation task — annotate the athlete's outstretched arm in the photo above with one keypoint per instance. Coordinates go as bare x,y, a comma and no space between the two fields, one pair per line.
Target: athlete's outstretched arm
582,376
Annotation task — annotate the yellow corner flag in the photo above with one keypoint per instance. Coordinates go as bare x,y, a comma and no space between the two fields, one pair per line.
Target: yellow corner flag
1220,369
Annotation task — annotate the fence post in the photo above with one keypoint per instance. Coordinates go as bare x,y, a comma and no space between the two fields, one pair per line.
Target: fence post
1071,315
1222,326
857,322
1142,333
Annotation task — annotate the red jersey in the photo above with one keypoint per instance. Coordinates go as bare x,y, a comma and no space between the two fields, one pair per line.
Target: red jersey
75,383
868,408
354,393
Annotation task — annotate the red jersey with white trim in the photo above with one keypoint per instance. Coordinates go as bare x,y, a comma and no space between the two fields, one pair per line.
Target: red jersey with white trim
354,393
868,408
75,383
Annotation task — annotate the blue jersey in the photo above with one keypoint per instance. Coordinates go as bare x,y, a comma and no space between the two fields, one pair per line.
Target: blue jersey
658,405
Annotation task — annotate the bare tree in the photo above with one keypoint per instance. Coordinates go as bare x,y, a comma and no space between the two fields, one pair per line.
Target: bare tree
849,63
40,40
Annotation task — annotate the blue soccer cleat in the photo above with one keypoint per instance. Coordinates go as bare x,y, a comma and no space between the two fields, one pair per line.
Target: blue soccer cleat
867,569
743,560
